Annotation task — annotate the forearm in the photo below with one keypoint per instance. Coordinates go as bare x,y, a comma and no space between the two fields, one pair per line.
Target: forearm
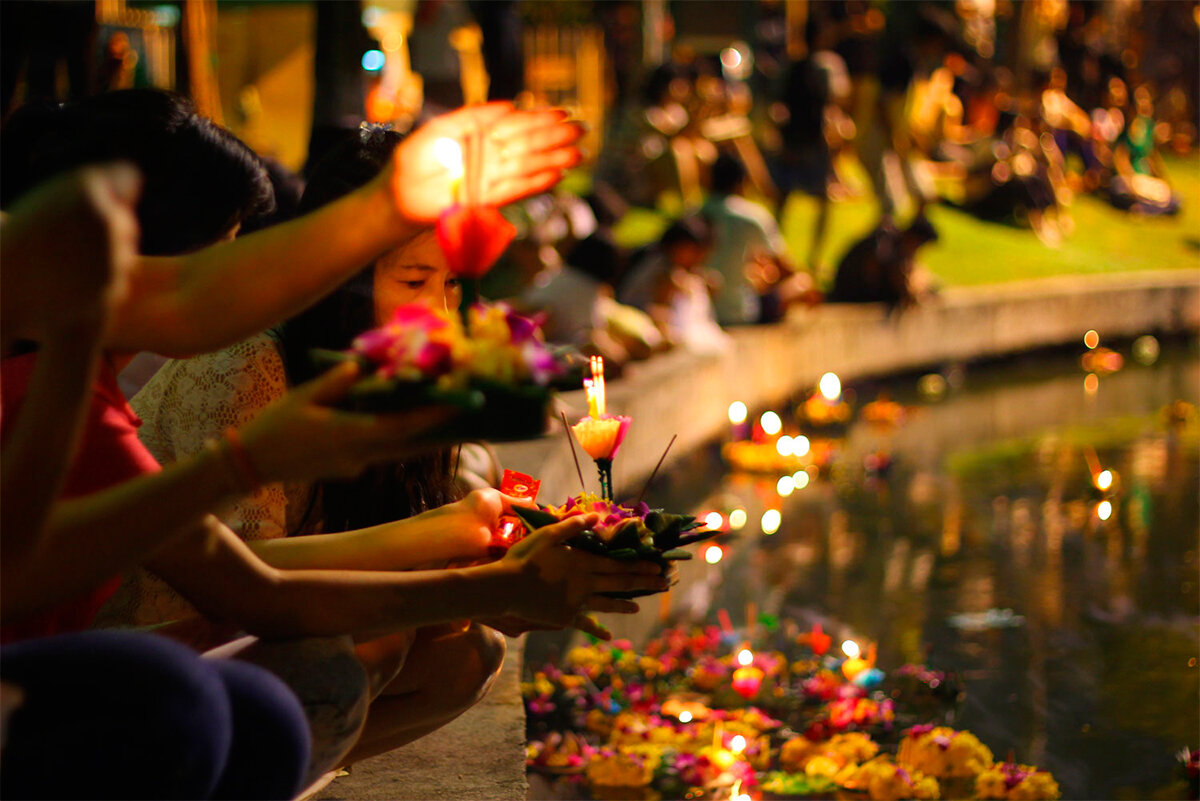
226,582
255,281
39,451
90,539
368,604
402,545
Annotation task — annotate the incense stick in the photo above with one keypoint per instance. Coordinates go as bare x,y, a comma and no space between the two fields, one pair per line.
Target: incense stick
655,473
571,442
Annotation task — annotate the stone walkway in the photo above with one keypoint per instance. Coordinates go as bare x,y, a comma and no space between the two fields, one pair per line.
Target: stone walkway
478,757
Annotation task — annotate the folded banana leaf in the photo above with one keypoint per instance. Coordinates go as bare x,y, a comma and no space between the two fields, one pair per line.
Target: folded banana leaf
486,410
633,539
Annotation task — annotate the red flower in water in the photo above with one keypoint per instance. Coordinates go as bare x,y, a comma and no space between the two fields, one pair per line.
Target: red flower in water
818,640
473,237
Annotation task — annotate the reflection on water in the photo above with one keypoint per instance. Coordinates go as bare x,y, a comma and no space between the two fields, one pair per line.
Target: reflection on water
973,536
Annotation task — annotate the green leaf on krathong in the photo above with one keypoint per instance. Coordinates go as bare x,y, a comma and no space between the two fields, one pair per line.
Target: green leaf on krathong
534,518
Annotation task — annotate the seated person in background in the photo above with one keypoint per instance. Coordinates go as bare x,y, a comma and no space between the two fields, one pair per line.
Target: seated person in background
576,301
1140,182
758,280
669,281
879,267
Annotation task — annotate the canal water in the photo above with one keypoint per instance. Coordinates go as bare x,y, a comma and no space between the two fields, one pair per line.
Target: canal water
970,535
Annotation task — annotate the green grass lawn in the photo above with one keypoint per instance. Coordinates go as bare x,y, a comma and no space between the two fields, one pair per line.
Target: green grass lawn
971,251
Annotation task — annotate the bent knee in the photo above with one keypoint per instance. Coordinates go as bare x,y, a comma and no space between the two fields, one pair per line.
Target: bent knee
490,647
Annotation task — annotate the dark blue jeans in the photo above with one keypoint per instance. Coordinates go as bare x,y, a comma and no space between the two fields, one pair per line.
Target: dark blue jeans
112,714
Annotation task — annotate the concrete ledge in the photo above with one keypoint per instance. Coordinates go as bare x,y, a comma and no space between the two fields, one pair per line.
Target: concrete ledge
688,394
479,756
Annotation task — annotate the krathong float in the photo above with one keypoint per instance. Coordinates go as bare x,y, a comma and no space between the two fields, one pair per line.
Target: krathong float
667,721
626,531
496,371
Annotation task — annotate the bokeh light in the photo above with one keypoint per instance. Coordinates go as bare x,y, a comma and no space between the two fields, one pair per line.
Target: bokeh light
373,60
737,519
850,648
1091,338
713,554
830,386
800,479
1104,510
737,412
771,424
771,520
714,520
1104,480
1146,350
785,486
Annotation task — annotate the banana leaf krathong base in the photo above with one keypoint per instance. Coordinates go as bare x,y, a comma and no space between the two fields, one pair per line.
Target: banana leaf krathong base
486,410
656,536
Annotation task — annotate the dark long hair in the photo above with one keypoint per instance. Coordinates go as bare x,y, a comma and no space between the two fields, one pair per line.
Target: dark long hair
385,492
199,179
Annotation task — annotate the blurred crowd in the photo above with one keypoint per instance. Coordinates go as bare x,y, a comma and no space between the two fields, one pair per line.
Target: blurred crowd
1005,116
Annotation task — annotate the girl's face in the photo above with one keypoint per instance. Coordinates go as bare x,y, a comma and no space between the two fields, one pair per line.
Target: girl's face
414,273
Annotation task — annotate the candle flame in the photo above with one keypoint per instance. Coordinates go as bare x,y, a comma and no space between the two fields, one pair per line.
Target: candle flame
1104,480
597,392
449,154
830,386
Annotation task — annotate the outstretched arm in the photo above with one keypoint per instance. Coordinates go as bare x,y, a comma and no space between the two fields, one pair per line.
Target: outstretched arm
459,530
217,296
540,580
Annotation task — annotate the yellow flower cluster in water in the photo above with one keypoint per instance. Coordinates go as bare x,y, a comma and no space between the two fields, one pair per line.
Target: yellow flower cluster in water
1016,782
883,780
945,753
628,766
827,757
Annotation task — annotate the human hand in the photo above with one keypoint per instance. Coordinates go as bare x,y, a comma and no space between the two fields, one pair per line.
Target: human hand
68,248
300,437
512,626
467,526
554,583
525,153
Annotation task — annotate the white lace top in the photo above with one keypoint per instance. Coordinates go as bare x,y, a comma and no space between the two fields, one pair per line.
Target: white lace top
191,400
187,402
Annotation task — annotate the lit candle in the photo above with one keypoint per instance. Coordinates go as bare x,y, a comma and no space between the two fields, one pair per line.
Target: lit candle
747,681
737,419
854,664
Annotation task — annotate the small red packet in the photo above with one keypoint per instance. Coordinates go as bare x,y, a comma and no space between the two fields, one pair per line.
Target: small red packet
516,485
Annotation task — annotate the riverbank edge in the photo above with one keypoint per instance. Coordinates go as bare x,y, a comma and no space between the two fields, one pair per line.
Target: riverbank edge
689,394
